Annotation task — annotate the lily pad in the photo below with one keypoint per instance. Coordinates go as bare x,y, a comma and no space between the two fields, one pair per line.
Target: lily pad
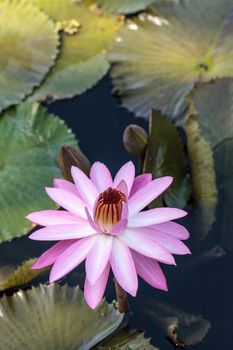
124,6
28,49
165,156
30,139
12,276
85,34
54,318
161,54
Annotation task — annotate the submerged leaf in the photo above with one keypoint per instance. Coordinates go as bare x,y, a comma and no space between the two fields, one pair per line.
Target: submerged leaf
54,318
165,156
124,6
82,60
30,140
11,276
28,49
159,55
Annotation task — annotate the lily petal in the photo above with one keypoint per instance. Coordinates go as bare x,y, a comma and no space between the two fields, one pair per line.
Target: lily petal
98,257
100,176
126,173
173,229
122,187
71,258
68,201
65,185
94,293
53,217
139,182
150,270
123,267
148,193
86,188
59,232
155,216
119,227
50,256
138,241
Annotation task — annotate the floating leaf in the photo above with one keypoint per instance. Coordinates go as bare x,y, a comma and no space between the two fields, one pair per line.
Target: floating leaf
124,6
82,60
30,139
28,49
161,54
12,276
54,318
165,156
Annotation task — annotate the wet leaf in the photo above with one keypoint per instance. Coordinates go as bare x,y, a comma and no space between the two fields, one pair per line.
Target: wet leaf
165,157
82,60
28,49
12,276
30,140
54,318
160,55
124,6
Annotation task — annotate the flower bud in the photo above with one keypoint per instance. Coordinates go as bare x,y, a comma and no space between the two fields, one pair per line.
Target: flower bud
69,156
135,140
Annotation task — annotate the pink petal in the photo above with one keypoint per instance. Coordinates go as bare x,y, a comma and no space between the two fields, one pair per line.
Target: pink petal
50,256
98,257
65,185
71,258
155,216
148,193
172,244
68,201
122,187
139,182
86,188
173,229
126,173
119,227
139,241
94,293
90,220
53,217
60,232
149,270
100,176
123,267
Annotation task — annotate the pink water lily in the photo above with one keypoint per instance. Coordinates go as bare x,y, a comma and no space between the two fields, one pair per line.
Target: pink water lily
103,223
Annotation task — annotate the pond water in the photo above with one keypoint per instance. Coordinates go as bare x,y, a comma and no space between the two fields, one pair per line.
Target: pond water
200,293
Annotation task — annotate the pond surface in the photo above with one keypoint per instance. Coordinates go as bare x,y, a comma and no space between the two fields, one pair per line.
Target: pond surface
200,293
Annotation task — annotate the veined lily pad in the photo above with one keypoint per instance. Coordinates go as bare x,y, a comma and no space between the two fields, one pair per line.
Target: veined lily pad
28,49
159,55
12,276
30,139
54,318
124,6
86,33
165,156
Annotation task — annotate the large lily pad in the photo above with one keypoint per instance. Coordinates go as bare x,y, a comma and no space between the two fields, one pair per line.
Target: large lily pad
54,318
165,156
30,139
161,54
124,6
28,49
86,33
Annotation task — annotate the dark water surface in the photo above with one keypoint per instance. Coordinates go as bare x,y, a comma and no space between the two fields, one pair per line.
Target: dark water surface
200,287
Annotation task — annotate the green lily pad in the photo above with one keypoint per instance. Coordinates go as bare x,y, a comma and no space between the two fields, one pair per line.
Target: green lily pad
124,6
13,276
54,318
165,156
30,139
28,49
161,54
85,34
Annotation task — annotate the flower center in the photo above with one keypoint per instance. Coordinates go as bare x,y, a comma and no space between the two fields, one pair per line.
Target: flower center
108,209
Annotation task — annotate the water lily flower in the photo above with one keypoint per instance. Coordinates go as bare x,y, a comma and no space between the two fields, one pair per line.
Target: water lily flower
103,222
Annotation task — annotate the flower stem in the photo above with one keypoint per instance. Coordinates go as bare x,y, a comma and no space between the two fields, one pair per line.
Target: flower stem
123,305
